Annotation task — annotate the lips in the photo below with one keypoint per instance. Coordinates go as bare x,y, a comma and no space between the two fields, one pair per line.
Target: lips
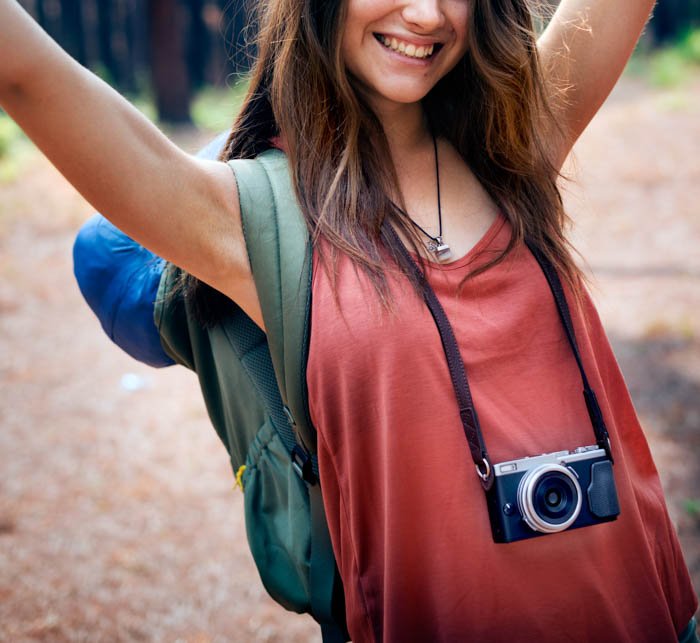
408,49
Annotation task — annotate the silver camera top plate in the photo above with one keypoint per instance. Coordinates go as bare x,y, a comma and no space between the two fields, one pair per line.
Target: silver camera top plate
558,457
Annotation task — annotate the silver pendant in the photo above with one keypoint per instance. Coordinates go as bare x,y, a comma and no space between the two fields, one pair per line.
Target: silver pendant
440,249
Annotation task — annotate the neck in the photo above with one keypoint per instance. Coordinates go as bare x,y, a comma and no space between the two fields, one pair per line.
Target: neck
405,128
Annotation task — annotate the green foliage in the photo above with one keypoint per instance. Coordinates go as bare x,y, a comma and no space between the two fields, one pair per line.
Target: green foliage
669,66
13,148
692,507
145,104
215,108
10,133
689,46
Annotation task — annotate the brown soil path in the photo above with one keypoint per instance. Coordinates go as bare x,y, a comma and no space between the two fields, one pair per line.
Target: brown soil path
118,521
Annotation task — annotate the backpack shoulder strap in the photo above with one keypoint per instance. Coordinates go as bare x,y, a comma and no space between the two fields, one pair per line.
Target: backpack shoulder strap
279,250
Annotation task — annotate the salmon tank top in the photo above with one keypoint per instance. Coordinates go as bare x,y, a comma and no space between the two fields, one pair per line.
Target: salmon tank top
406,512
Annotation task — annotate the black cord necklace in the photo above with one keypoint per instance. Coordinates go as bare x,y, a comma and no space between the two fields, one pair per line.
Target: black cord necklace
436,245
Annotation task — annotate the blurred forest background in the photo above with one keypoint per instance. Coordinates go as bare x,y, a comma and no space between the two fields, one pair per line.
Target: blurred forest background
170,50
118,521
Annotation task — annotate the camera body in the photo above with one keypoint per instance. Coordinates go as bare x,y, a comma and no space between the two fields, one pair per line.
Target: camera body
552,492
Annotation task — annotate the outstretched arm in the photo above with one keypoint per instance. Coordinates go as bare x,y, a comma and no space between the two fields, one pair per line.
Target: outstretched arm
183,209
583,51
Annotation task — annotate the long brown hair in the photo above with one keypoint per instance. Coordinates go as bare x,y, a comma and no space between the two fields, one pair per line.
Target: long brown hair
493,107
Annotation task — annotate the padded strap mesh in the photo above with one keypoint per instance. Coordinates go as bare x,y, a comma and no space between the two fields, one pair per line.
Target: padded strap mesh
280,256
248,341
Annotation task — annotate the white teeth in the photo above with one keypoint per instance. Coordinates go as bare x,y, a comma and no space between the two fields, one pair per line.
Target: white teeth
407,49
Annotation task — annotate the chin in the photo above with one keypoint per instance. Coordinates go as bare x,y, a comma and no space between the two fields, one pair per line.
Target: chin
400,95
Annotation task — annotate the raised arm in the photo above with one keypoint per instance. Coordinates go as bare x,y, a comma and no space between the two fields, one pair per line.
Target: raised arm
584,50
182,208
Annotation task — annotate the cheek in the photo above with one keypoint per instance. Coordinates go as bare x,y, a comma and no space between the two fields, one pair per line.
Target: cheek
353,48
459,13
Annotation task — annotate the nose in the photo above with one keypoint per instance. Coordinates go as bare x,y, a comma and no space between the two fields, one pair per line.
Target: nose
425,15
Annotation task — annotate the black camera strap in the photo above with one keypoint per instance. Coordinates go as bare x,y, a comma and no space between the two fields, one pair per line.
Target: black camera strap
594,412
458,374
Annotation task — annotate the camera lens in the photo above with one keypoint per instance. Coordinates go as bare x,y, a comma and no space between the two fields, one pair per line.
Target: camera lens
549,498
553,498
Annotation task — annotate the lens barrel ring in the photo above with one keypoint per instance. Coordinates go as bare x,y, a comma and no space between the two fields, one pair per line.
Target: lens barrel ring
527,494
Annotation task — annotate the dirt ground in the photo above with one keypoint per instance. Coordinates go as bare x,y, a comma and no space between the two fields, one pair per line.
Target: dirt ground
118,517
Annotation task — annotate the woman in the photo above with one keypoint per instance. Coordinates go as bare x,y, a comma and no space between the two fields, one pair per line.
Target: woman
443,122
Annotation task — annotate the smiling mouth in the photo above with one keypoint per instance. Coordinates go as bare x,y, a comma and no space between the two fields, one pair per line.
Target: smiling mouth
422,52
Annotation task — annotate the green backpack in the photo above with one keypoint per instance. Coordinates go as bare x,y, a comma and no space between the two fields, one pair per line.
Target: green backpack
254,387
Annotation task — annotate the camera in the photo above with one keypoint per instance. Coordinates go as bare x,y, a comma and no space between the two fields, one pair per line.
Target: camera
553,492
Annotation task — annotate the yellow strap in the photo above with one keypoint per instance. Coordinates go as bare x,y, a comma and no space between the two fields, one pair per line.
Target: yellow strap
239,477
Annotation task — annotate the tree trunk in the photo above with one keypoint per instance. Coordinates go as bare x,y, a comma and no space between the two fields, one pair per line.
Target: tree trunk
198,45
72,30
39,12
104,39
169,75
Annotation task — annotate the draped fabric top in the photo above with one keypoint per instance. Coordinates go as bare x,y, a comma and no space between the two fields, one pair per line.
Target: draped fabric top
406,511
